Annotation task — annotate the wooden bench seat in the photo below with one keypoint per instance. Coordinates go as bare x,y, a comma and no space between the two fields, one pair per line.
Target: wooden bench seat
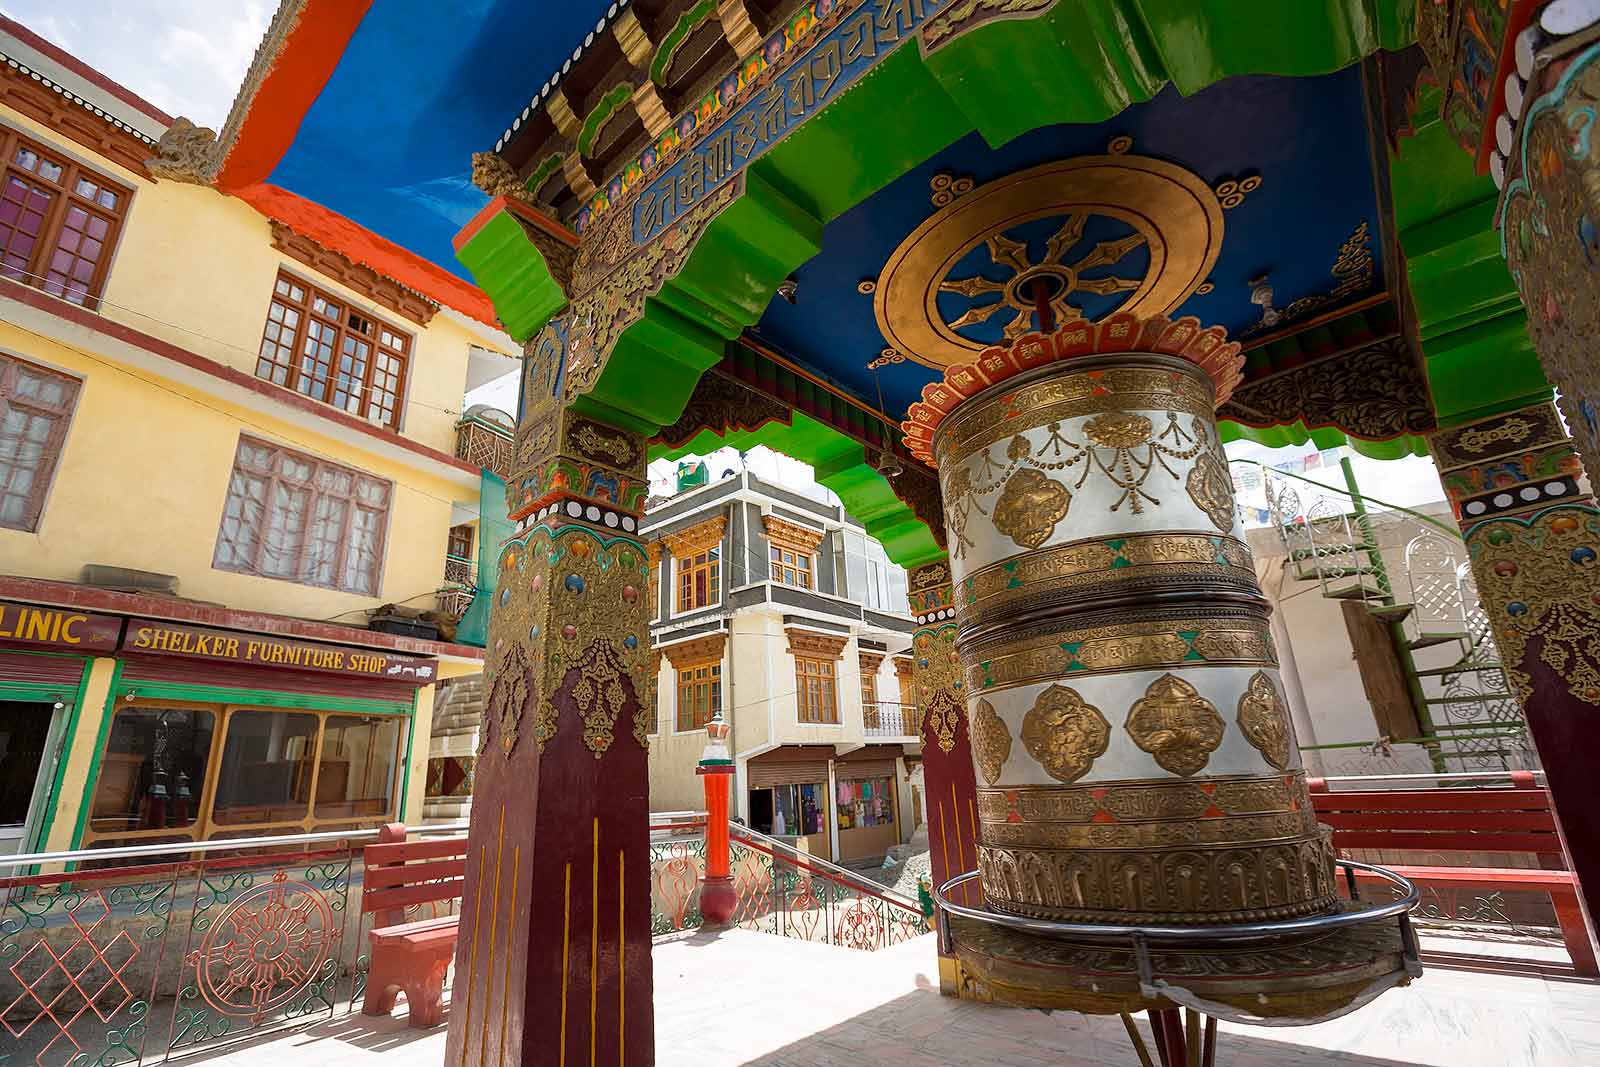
1512,821
410,957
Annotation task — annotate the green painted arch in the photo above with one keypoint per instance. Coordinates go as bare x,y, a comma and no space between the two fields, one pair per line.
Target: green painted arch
1081,61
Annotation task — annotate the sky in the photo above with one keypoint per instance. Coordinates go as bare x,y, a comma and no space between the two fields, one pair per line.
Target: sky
187,57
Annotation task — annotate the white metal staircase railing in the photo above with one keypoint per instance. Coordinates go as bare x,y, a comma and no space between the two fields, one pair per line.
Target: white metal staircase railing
1470,719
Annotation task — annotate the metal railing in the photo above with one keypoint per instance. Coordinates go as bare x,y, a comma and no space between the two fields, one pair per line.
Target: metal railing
781,891
149,953
891,719
486,442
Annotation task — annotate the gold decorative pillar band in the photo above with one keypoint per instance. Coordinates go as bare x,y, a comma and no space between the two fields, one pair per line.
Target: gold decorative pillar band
1130,735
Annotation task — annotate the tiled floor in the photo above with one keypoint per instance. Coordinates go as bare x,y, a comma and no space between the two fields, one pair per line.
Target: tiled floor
744,998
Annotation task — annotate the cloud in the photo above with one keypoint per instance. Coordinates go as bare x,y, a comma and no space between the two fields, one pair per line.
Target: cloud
194,56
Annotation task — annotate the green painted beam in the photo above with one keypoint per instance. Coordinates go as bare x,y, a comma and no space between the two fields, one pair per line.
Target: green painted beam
1327,437
508,266
841,465
1479,357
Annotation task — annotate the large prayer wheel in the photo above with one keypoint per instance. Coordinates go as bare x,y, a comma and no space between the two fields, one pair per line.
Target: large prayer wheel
1133,747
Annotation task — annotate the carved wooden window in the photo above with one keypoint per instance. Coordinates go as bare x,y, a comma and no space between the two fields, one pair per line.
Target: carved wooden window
700,580
302,519
870,662
460,544
59,220
793,551
318,345
699,695
35,407
790,567
816,691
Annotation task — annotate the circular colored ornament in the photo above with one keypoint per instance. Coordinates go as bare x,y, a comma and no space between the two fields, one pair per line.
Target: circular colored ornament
630,593
536,582
1500,537
1583,554
1563,524
630,642
1516,607
1505,568
505,596
574,583
533,632
569,631
580,547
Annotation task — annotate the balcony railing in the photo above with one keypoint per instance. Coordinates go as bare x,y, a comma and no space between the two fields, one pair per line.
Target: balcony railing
484,438
887,719
188,948
460,585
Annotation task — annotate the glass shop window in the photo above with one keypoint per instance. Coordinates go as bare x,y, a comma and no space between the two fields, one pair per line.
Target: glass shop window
356,774
153,771
789,810
866,802
266,767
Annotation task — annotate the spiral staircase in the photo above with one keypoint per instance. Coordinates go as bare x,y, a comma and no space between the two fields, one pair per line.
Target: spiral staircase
1468,718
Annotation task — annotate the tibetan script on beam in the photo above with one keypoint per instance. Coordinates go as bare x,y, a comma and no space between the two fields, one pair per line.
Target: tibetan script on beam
800,88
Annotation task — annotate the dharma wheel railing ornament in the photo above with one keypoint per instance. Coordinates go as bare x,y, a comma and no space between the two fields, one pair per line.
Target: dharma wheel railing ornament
1146,840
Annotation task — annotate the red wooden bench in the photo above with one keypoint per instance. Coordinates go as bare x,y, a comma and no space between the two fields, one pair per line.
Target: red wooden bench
1515,820
410,957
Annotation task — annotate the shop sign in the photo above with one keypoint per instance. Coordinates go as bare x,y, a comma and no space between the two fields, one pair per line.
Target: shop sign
59,629
261,650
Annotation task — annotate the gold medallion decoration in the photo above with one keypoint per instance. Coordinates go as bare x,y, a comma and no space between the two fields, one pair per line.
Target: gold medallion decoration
1064,734
1176,725
1264,721
944,715
991,741
1212,490
1030,506
1170,213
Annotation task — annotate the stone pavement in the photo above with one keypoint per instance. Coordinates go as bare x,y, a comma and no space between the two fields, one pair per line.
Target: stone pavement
744,998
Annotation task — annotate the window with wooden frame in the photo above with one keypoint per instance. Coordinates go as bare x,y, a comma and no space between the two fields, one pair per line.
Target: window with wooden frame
792,549
870,661
697,556
699,695
59,220
302,519
816,658
35,407
815,690
320,346
460,542
179,771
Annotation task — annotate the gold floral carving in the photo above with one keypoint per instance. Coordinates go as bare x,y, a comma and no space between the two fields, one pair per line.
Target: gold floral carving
1064,734
1540,582
936,672
1212,490
1114,562
569,617
1264,721
1029,508
976,425
1230,882
1176,725
1119,429
1213,830
693,540
613,280
1141,645
991,741
791,535
1147,800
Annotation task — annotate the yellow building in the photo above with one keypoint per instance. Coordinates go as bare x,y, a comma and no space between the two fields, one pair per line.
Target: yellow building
227,437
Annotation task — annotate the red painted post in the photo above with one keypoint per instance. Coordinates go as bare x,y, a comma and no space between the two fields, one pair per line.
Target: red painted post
717,896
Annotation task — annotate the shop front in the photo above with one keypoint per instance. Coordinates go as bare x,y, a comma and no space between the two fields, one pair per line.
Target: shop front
867,802
45,655
788,797
212,734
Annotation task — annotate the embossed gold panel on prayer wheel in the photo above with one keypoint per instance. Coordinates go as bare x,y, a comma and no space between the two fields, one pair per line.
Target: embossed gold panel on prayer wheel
1135,759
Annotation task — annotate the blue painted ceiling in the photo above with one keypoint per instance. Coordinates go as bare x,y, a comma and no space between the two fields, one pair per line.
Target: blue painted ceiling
422,86
1306,138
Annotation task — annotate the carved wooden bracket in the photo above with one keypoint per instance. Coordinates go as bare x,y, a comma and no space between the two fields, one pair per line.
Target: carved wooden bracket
369,283
697,652
815,645
698,538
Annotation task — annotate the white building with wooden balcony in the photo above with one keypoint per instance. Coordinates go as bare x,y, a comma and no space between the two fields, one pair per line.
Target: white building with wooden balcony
783,614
